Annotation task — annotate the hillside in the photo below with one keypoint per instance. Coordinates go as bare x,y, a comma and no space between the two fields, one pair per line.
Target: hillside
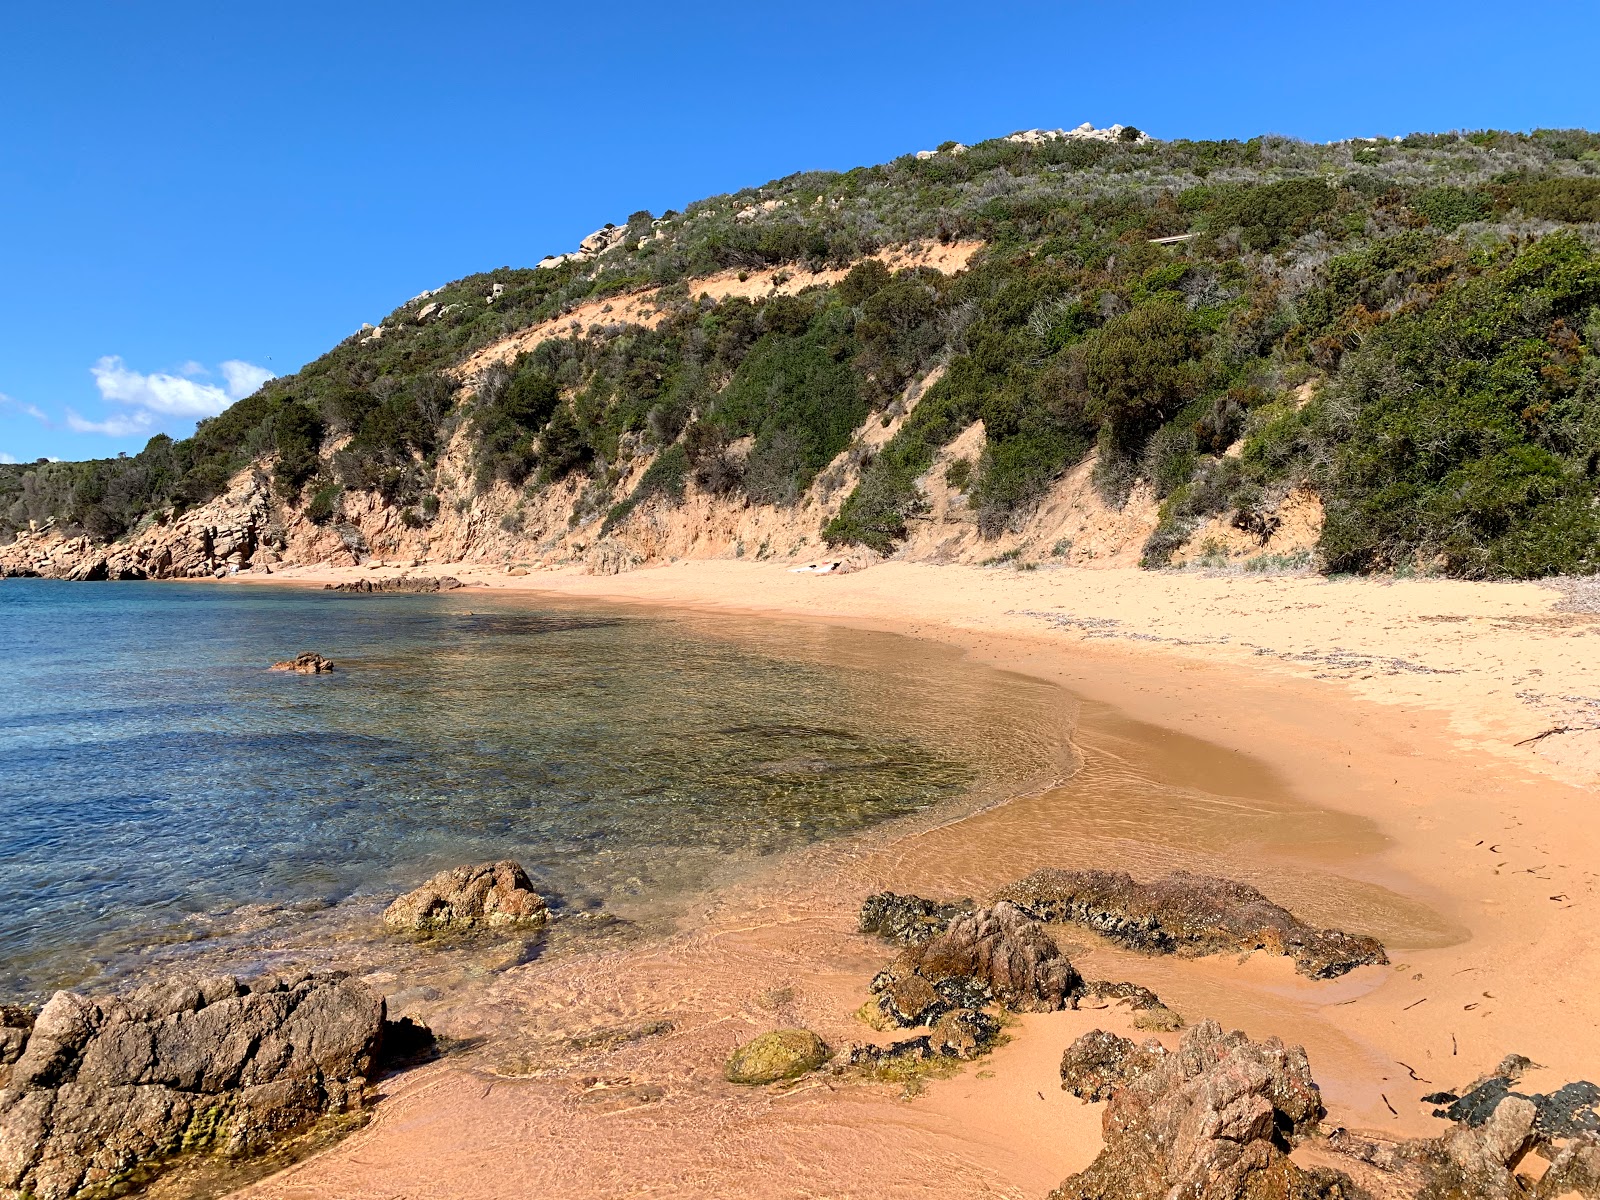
1082,347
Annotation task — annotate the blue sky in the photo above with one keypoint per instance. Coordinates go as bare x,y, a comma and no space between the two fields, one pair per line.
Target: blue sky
193,195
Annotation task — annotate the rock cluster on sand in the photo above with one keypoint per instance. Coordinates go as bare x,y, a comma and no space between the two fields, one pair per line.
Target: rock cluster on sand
781,1054
1190,914
305,663
1216,1119
401,583
1212,1121
104,1091
494,895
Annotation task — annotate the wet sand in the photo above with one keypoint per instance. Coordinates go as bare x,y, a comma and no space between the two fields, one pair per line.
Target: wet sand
1393,804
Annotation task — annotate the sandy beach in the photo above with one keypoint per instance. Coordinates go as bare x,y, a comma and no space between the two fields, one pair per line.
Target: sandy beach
1375,755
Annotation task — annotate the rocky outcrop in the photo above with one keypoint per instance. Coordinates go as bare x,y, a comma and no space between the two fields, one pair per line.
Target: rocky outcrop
401,583
307,662
105,1091
1213,1121
494,895
995,955
1190,914
909,920
775,1056
214,540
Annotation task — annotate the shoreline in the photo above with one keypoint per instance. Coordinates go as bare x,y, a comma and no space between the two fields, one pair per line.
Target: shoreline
1423,778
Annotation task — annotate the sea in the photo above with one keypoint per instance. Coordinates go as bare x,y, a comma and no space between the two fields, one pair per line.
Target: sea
156,777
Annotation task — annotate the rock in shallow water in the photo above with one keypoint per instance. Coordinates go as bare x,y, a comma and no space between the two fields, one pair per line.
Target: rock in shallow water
781,1054
305,663
107,1090
496,895
1190,914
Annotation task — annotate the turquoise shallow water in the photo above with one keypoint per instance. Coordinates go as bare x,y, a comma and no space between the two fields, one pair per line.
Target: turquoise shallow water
152,771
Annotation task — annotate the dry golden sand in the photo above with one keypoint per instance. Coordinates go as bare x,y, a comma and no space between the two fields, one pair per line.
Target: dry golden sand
1348,745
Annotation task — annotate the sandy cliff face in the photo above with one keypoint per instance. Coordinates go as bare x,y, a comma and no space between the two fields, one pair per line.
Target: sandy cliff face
247,528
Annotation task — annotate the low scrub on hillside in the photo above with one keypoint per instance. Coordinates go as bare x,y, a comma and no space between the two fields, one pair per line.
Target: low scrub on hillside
1408,327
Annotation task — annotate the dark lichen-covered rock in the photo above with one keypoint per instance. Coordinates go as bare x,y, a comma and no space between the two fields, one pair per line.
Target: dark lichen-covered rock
909,920
1569,1110
1212,1121
1098,1063
495,895
15,1024
995,955
778,1055
107,1090
1190,914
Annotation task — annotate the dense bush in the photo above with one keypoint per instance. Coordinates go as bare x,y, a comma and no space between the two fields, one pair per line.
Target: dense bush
1470,430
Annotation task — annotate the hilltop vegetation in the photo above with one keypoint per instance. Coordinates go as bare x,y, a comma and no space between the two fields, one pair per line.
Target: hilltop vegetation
1410,328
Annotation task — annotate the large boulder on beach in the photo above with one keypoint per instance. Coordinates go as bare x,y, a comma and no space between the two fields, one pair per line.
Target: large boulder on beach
1190,914
491,895
107,1090
778,1055
1213,1121
995,955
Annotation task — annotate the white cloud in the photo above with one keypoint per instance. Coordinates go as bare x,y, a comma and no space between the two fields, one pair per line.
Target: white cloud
30,409
161,394
116,425
244,379
6,458
170,394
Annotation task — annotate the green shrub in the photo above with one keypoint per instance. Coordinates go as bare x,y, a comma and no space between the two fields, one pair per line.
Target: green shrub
320,509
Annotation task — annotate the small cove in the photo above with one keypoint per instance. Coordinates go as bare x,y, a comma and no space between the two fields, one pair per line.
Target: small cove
155,779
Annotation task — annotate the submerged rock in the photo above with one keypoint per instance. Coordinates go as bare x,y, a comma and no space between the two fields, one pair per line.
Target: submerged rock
1190,914
1213,1121
496,895
107,1090
909,920
995,955
305,663
781,1054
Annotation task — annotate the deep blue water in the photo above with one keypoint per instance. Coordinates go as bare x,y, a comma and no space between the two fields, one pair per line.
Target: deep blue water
152,770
